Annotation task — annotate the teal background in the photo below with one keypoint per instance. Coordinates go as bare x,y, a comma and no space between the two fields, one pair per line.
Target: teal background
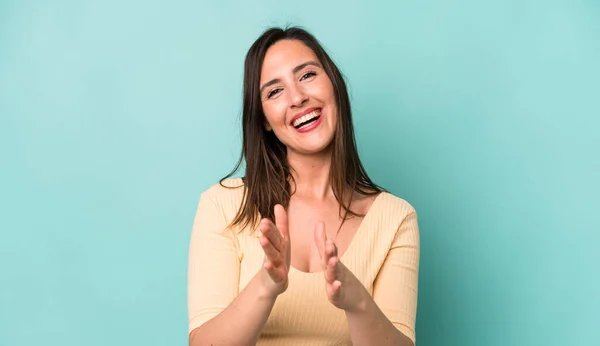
116,115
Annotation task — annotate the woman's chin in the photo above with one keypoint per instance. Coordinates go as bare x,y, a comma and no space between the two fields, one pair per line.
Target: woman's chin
316,149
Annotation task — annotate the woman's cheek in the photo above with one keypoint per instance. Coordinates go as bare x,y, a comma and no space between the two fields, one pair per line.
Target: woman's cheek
275,113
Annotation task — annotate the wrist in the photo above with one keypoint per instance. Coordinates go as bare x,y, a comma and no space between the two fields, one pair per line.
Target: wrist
265,290
361,304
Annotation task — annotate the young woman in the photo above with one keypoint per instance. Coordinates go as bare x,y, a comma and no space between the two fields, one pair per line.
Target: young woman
305,249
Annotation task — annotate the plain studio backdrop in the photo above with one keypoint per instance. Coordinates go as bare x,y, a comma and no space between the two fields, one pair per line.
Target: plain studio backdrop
116,115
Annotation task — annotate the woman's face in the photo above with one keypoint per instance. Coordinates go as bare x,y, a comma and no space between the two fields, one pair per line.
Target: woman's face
297,97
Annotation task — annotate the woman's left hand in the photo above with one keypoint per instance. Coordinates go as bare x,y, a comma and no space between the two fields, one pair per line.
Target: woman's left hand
343,288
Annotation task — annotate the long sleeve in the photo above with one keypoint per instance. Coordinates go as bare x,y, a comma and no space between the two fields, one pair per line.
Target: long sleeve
214,264
395,288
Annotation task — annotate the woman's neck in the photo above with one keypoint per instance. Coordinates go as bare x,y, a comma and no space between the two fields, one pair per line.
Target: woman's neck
311,175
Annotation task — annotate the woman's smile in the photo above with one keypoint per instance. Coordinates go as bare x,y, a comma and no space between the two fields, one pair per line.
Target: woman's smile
308,120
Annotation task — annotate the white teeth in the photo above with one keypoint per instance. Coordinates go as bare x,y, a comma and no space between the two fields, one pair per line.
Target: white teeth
307,117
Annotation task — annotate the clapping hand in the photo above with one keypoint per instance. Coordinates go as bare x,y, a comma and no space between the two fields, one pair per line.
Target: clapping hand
343,289
275,242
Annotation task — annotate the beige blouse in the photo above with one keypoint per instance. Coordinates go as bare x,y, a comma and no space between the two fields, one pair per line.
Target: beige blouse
384,256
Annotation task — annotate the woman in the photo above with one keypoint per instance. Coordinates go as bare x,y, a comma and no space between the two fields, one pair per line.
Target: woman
305,249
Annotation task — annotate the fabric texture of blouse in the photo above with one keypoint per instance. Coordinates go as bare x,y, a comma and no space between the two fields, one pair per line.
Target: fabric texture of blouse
383,255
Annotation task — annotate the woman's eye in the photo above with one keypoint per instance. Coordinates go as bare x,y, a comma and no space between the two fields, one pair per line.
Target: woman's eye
273,93
308,75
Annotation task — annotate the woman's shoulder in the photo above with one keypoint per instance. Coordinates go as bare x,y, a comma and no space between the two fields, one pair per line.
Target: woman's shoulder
399,217
391,203
223,198
226,184
227,193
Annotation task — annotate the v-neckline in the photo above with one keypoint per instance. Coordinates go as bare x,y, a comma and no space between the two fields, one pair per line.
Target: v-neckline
358,232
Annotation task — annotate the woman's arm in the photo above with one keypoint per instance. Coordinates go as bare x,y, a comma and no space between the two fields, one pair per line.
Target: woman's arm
241,322
387,318
218,314
369,326
395,290
367,323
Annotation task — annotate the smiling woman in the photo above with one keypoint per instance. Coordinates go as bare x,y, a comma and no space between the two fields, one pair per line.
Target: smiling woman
304,249
295,79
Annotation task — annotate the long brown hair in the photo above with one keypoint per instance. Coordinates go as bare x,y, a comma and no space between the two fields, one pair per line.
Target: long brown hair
268,174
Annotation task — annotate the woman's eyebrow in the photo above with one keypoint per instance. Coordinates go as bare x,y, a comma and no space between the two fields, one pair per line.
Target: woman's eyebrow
308,63
295,70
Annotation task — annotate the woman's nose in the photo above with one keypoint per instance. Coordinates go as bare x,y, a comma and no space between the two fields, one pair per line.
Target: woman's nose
297,97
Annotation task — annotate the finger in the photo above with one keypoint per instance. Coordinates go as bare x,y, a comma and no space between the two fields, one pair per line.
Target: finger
273,274
333,290
270,231
328,254
331,270
331,248
319,236
270,251
281,221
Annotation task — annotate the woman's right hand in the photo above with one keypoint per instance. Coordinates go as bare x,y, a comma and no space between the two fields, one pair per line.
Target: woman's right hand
275,242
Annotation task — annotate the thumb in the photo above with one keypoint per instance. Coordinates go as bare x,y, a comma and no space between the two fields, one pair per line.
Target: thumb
281,221
320,237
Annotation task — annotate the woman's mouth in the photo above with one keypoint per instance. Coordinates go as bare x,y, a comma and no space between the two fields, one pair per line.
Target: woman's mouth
305,121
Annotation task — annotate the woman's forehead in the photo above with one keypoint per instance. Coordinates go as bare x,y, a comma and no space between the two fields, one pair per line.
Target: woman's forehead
284,56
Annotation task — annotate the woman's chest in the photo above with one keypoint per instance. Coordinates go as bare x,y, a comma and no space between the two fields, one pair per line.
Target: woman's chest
302,226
